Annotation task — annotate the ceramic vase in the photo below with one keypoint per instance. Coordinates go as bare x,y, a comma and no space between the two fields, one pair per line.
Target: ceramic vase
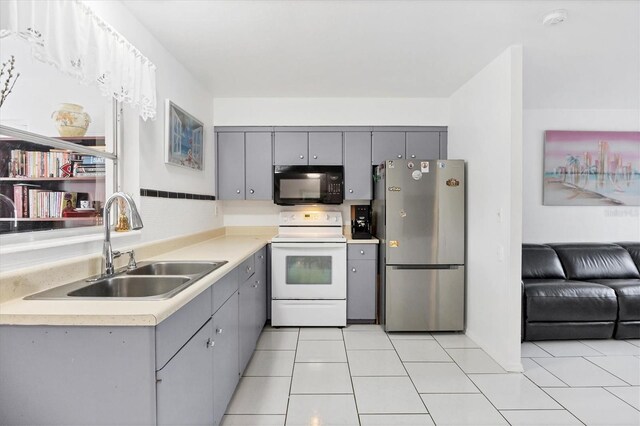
71,120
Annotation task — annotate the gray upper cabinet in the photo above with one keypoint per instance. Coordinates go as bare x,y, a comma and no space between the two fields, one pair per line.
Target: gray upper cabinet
387,146
244,166
325,148
231,156
258,170
291,148
357,167
423,145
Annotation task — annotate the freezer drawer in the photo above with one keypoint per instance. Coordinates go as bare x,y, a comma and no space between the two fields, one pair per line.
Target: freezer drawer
424,299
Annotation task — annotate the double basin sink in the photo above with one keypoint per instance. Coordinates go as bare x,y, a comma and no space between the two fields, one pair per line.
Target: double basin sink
149,281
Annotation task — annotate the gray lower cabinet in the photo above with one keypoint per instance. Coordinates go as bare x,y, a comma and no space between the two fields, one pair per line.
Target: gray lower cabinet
361,282
183,371
184,387
357,167
225,356
253,297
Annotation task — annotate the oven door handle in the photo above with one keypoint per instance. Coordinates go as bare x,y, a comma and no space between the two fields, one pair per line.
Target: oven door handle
318,245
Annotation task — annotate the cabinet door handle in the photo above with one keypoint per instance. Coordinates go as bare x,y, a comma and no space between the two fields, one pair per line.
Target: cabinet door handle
413,156
353,270
261,257
210,343
251,191
399,155
302,157
219,331
351,191
362,252
315,157
255,285
248,269
237,191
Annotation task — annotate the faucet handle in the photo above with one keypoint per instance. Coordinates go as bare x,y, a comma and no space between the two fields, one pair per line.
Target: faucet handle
131,265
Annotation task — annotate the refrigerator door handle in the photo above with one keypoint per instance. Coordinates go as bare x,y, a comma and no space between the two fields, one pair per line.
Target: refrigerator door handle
425,266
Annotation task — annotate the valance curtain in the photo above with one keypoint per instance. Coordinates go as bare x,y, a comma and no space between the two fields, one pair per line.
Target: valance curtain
68,35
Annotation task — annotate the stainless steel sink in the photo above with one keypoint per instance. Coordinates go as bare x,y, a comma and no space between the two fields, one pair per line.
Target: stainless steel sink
149,281
131,286
176,268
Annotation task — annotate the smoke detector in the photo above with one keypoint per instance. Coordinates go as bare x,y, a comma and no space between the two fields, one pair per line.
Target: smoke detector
555,17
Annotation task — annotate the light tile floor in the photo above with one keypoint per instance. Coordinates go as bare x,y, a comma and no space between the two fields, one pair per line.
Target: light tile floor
361,376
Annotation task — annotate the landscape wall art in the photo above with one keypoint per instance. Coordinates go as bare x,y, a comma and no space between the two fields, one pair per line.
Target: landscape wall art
588,168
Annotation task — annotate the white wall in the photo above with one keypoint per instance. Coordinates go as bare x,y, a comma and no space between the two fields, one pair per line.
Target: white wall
143,155
547,224
485,129
318,112
41,89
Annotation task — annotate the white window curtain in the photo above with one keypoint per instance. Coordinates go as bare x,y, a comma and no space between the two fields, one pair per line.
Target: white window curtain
68,35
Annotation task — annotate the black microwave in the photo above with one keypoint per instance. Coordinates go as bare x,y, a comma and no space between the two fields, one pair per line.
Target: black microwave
308,185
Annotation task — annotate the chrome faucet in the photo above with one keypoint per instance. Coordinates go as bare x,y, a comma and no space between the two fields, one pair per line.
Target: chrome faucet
11,204
135,222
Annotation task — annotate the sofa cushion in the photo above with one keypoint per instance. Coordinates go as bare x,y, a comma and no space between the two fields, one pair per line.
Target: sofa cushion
595,261
628,292
565,300
540,261
634,252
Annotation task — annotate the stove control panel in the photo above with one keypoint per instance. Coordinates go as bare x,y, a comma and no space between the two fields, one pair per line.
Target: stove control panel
311,218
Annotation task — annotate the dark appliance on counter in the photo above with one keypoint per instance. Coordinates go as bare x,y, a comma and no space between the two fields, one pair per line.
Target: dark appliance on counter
293,185
361,222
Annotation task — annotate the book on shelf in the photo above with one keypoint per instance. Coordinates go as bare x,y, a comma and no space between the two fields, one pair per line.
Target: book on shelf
55,163
21,198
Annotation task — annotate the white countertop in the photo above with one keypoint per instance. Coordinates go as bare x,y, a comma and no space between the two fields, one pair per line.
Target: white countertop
232,248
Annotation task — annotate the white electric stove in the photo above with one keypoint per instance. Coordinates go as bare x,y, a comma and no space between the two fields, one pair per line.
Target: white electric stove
309,270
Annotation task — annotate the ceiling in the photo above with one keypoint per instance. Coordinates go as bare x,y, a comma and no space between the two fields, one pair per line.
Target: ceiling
401,48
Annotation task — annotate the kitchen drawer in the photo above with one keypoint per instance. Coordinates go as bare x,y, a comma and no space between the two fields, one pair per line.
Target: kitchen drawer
247,269
175,331
224,288
362,251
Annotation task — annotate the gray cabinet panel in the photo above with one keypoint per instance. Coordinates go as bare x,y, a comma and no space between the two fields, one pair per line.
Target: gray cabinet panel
174,331
357,167
246,269
225,356
185,385
231,166
325,148
246,324
258,166
361,289
261,293
77,375
444,151
387,146
362,251
224,288
423,145
290,148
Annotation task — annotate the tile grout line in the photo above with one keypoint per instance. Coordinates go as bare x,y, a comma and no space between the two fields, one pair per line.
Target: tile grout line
607,371
542,366
346,353
293,369
619,397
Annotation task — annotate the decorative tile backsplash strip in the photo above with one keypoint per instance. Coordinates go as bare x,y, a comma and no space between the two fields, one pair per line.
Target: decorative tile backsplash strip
169,194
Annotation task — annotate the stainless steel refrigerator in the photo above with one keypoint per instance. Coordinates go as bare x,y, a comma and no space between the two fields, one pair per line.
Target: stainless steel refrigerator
419,218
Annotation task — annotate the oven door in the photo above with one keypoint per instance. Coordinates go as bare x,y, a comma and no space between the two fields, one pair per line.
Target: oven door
309,270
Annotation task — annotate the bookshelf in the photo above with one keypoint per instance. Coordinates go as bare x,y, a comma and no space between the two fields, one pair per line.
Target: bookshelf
33,172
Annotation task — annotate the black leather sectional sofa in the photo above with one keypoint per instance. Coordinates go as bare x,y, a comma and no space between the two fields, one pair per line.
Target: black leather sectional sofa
580,291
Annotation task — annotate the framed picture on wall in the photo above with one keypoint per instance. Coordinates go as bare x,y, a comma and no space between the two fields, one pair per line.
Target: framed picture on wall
591,168
184,138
